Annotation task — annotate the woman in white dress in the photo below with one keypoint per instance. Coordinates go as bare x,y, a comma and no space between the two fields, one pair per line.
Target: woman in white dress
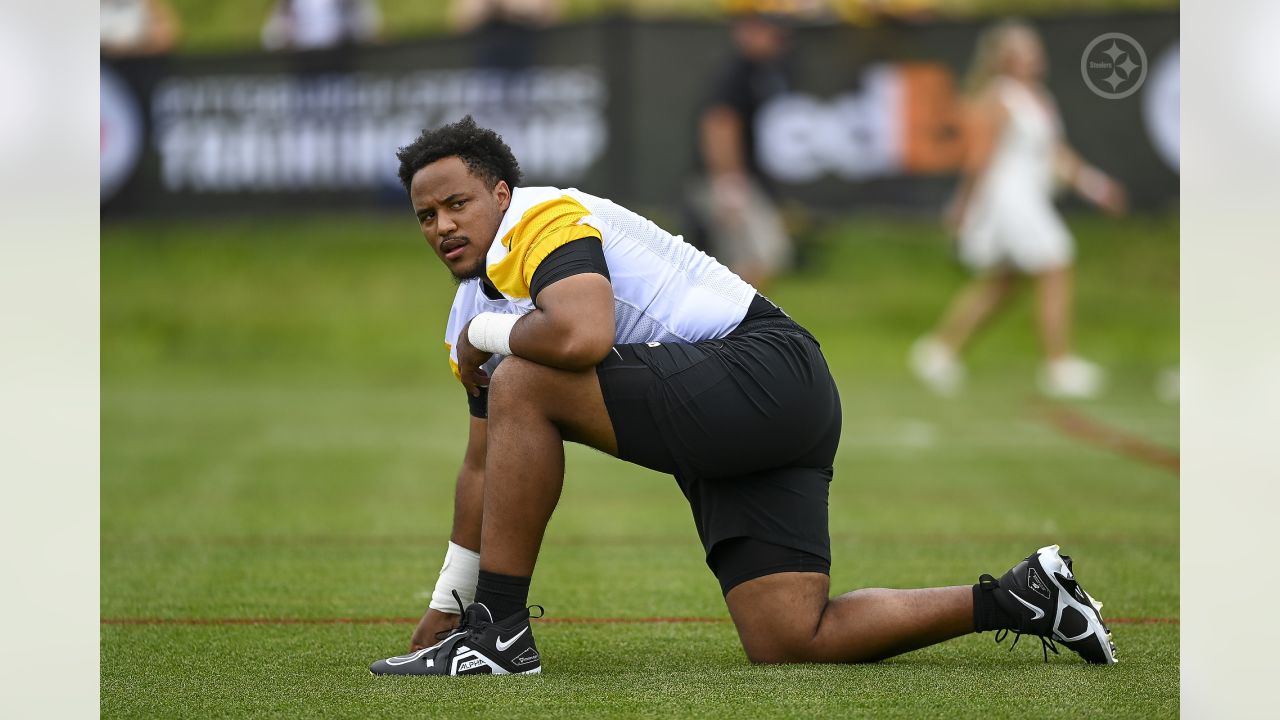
1004,218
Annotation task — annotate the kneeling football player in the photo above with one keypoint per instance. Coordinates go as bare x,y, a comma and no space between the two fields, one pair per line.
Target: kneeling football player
578,320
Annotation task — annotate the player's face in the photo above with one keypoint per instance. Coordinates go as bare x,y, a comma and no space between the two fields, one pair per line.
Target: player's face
459,214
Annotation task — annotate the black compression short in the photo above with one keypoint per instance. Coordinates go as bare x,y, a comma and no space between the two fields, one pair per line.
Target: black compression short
740,559
748,425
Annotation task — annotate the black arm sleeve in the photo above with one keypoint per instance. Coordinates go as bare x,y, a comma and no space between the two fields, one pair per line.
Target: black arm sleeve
585,255
479,406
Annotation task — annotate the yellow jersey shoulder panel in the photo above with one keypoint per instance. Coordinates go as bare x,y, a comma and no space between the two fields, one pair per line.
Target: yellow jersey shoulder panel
541,230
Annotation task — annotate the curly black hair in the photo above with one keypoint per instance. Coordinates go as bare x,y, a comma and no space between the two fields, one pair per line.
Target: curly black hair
483,150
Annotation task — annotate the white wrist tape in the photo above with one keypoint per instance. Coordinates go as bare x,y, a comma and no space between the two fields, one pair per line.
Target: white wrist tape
491,332
461,571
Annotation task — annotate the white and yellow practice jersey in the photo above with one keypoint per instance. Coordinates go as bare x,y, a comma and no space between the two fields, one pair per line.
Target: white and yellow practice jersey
664,289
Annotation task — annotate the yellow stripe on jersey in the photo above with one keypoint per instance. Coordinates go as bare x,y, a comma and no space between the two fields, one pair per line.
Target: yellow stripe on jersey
457,371
542,229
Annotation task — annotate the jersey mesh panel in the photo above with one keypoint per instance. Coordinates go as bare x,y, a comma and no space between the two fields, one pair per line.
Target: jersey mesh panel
716,278
634,326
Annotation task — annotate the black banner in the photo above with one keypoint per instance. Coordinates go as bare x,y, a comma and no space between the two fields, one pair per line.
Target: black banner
609,107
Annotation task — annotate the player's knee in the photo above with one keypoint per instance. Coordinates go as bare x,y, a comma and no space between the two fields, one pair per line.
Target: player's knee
763,656
782,642
515,381
512,375
779,649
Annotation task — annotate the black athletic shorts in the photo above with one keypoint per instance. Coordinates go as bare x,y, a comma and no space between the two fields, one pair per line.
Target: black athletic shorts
748,425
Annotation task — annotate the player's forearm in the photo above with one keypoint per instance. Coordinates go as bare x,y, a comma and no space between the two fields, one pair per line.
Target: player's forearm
468,496
551,339
572,327
468,506
460,571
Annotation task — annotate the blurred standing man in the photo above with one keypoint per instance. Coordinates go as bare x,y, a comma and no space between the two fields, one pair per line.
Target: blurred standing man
318,24
137,27
507,30
1004,216
734,202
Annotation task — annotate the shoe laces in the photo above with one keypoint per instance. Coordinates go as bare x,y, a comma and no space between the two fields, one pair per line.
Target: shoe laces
462,617
1046,643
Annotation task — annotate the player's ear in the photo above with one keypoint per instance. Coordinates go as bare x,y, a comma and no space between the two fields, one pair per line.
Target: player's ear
502,193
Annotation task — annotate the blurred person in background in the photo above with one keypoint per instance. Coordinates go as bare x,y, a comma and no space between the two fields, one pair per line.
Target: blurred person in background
1004,219
507,30
318,24
137,27
871,12
733,205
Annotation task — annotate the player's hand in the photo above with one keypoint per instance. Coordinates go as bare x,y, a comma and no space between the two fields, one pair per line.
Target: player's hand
432,624
469,361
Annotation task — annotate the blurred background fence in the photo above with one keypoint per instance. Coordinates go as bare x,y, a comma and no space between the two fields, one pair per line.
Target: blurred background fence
607,103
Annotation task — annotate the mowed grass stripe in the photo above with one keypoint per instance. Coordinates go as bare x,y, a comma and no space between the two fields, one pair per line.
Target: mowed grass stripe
549,621
1076,424
928,538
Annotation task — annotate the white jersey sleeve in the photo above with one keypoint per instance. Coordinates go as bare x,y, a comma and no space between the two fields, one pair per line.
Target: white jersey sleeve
468,302
665,290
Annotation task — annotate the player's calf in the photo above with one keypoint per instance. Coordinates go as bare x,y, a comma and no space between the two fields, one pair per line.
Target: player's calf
786,618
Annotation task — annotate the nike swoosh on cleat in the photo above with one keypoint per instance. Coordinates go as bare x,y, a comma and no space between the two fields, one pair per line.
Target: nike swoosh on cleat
504,644
1039,613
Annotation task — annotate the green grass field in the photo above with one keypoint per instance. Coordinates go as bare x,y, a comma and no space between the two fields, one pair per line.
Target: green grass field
280,432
